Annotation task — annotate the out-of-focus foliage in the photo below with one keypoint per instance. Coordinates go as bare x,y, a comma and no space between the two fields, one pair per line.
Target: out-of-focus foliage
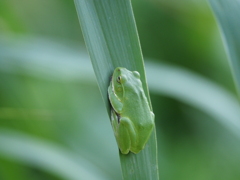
51,113
226,13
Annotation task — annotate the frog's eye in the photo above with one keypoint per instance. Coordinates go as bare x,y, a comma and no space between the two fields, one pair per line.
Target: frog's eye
119,79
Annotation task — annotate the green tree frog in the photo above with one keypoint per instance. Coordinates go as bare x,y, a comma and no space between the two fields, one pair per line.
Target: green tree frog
131,117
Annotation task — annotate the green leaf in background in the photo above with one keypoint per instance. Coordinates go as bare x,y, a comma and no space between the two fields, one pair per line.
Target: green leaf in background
48,61
46,156
163,79
112,41
227,14
193,89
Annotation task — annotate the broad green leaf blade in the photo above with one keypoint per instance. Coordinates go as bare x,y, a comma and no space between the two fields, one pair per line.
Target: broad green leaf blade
197,91
112,41
111,38
46,156
227,14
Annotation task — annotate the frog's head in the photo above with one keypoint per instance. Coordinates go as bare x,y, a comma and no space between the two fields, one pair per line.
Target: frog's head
124,81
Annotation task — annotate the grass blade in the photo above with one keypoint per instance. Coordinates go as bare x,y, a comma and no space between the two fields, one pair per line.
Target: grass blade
197,91
47,156
111,37
227,14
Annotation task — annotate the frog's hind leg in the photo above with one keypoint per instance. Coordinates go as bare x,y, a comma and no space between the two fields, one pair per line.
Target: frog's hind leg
123,140
127,135
120,133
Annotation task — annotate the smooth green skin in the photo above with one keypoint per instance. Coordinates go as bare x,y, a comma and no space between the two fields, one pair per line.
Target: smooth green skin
131,117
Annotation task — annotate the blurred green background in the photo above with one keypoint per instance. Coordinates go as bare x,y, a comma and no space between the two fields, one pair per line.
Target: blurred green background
53,124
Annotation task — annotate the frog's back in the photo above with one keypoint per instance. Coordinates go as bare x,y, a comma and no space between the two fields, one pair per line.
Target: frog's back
143,119
136,108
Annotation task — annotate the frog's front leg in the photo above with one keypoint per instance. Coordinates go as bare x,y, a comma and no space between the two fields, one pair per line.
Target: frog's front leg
115,102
